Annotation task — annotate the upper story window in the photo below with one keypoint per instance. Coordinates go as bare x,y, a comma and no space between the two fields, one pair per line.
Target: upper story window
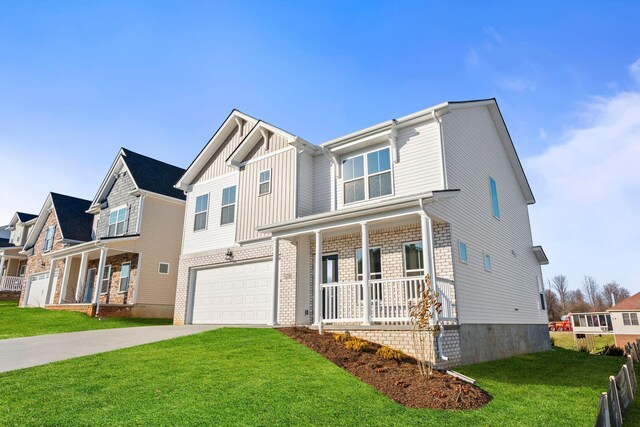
463,252
494,198
48,238
202,209
413,259
264,182
117,221
376,182
228,214
487,262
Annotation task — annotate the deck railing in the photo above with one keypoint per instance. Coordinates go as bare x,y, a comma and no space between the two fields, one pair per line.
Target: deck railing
11,283
391,300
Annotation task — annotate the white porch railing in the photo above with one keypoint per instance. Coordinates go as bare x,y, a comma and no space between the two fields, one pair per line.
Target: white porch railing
391,300
11,283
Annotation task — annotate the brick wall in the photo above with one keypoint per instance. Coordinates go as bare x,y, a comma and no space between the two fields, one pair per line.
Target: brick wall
622,339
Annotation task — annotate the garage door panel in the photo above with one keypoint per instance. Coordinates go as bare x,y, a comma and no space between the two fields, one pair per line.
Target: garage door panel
238,294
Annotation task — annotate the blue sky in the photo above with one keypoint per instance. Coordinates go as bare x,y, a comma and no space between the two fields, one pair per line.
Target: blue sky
80,79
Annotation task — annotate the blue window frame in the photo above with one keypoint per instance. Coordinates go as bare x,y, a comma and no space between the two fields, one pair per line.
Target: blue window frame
494,198
487,262
463,252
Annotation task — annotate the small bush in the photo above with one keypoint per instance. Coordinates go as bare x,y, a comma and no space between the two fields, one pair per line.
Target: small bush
342,337
388,353
613,350
356,344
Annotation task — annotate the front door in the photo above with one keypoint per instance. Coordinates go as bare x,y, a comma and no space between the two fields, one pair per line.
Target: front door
330,295
89,285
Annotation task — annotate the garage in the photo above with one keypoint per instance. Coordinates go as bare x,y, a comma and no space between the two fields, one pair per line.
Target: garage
38,285
237,294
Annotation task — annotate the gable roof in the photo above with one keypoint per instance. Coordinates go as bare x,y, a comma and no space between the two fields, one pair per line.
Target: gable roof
632,303
4,243
146,173
25,217
228,125
75,224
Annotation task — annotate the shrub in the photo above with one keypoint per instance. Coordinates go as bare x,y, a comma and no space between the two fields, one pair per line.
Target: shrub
388,353
342,337
612,350
356,344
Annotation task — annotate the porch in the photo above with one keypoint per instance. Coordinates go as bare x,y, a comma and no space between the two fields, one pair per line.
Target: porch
12,270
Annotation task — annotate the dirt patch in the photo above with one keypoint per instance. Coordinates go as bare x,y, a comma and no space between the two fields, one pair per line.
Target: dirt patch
399,380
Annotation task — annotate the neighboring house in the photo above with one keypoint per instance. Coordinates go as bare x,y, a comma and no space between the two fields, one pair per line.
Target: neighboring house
127,264
278,230
62,223
625,317
13,264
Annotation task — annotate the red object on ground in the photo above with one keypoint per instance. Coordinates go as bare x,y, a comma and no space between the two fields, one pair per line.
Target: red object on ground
564,325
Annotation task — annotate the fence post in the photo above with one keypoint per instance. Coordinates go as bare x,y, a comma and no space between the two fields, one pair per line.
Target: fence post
615,411
632,374
628,375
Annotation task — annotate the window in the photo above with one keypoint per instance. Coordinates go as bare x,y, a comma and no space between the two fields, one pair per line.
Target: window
265,182
106,279
117,221
494,198
543,301
23,269
163,268
228,214
48,238
487,262
378,179
625,319
413,259
202,209
590,321
634,318
463,252
125,273
375,264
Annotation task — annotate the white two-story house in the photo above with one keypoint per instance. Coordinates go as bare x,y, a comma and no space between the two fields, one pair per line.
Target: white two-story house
341,235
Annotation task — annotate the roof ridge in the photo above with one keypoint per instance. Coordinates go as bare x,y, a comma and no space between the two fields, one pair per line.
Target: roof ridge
126,150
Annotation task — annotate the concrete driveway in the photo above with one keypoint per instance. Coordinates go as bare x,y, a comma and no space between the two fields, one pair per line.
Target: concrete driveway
18,353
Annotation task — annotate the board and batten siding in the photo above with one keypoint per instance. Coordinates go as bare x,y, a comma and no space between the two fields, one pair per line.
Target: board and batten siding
217,164
277,206
323,184
160,237
276,142
215,236
419,166
305,183
510,292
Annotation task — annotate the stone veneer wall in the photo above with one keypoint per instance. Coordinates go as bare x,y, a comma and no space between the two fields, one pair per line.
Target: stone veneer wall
115,261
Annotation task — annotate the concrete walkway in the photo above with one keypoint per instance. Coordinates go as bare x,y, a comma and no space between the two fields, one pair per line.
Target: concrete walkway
18,353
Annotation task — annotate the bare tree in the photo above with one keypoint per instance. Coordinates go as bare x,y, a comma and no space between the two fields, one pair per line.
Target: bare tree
591,291
618,291
553,307
577,304
560,284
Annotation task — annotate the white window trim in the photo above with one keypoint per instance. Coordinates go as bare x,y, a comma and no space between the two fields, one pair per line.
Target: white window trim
168,268
125,221
108,278
484,262
234,204
404,260
466,252
366,175
206,212
44,243
120,291
358,278
260,182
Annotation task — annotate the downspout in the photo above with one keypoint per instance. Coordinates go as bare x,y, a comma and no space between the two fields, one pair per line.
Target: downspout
438,347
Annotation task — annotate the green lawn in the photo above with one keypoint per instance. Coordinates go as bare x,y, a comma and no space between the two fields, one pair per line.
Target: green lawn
566,340
261,377
24,322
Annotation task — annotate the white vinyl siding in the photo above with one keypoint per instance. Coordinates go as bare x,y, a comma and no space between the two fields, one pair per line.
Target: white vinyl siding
324,186
215,236
305,179
264,184
473,152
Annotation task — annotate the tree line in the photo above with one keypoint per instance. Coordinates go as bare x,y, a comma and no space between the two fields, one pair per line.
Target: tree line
591,296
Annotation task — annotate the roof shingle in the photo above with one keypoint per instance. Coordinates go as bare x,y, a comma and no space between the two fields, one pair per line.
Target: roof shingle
153,175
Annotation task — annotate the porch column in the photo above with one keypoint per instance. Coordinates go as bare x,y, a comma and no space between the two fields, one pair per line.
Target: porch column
99,274
52,271
317,279
65,278
427,251
2,260
276,280
366,291
82,274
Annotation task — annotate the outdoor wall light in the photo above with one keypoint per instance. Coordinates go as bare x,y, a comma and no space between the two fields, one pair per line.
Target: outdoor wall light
229,255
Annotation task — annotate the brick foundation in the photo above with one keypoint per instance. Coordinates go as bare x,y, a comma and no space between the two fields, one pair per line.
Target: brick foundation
9,296
622,339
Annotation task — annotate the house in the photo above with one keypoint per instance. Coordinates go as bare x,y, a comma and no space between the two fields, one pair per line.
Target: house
625,319
13,264
339,236
126,244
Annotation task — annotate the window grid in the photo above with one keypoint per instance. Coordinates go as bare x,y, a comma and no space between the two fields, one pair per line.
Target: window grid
228,211
125,274
201,212
106,279
264,182
117,222
367,176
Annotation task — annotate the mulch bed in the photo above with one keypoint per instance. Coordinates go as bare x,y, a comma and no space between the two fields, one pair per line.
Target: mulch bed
398,380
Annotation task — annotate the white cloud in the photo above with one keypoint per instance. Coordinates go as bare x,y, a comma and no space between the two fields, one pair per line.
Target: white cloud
634,69
588,192
517,85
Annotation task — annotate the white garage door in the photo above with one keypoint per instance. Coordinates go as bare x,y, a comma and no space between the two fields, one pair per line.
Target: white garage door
236,294
38,290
